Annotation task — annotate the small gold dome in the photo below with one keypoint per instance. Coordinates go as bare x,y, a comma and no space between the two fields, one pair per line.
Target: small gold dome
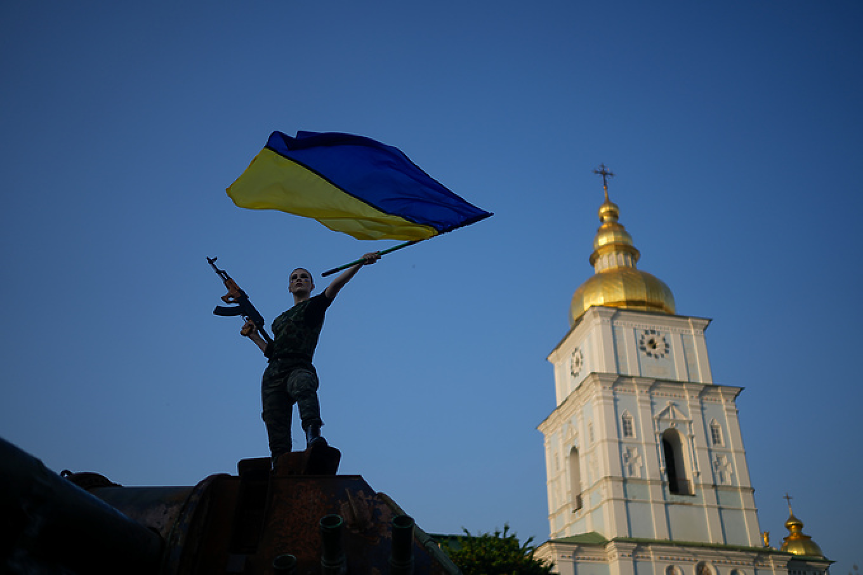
617,282
798,542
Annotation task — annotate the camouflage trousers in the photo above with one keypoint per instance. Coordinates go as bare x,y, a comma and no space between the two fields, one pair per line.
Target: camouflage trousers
281,388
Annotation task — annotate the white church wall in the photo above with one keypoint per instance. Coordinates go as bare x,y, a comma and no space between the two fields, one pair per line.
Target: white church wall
690,358
580,525
622,350
597,519
729,498
591,356
576,561
640,518
561,383
687,523
636,490
734,527
562,526
590,568
660,368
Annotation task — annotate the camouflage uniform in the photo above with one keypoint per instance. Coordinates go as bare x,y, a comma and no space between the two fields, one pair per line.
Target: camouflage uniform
290,377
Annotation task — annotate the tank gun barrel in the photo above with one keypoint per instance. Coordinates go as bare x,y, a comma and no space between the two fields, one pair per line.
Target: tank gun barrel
57,526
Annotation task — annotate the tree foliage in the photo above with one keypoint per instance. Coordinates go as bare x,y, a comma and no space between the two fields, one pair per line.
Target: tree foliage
498,553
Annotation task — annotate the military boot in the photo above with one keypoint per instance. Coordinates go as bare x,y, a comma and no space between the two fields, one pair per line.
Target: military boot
313,435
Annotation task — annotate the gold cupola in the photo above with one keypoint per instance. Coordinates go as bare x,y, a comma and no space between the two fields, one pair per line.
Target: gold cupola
798,542
616,281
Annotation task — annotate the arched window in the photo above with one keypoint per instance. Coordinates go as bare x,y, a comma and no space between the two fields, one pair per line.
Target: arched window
675,464
627,425
716,433
575,480
703,568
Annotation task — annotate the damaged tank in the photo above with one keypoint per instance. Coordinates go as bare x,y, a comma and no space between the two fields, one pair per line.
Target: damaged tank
300,518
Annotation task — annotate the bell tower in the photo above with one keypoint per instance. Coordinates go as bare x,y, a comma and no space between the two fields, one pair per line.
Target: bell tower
642,444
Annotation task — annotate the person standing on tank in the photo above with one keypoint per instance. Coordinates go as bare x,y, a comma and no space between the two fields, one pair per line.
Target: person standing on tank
290,376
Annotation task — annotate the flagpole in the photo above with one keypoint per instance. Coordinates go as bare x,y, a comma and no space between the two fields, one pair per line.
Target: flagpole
361,260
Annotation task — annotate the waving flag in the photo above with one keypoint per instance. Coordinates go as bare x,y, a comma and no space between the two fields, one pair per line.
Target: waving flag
351,184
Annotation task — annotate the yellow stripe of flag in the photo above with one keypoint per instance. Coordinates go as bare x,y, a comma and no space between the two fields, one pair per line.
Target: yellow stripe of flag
272,182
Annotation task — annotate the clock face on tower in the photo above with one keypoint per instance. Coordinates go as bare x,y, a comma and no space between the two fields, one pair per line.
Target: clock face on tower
576,362
653,344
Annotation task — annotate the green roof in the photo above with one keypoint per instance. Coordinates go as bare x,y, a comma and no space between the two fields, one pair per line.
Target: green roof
591,538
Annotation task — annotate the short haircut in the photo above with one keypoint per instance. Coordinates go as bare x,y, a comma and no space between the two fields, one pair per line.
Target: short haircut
311,277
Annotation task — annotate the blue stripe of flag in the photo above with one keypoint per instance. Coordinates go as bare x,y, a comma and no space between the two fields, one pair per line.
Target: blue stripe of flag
379,175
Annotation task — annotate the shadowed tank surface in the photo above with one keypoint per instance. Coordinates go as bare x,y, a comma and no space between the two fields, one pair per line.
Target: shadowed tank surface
301,518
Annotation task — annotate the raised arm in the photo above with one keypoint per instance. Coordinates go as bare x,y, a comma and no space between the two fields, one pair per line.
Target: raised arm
335,287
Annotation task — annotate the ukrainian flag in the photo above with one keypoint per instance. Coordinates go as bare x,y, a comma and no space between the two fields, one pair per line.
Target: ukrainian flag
351,184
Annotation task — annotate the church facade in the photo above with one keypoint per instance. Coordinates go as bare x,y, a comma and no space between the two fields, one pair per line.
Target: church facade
645,461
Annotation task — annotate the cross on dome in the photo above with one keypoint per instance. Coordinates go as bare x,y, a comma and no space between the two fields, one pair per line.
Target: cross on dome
606,173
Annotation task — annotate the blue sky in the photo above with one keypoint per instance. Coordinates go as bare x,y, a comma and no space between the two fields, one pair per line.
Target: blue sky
735,130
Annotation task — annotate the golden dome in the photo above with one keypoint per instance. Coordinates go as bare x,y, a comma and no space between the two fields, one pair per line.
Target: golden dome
617,282
798,542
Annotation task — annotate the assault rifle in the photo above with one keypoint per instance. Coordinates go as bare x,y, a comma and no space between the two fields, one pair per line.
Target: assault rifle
237,296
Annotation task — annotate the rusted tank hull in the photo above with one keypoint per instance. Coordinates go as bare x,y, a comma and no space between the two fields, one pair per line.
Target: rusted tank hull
258,522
